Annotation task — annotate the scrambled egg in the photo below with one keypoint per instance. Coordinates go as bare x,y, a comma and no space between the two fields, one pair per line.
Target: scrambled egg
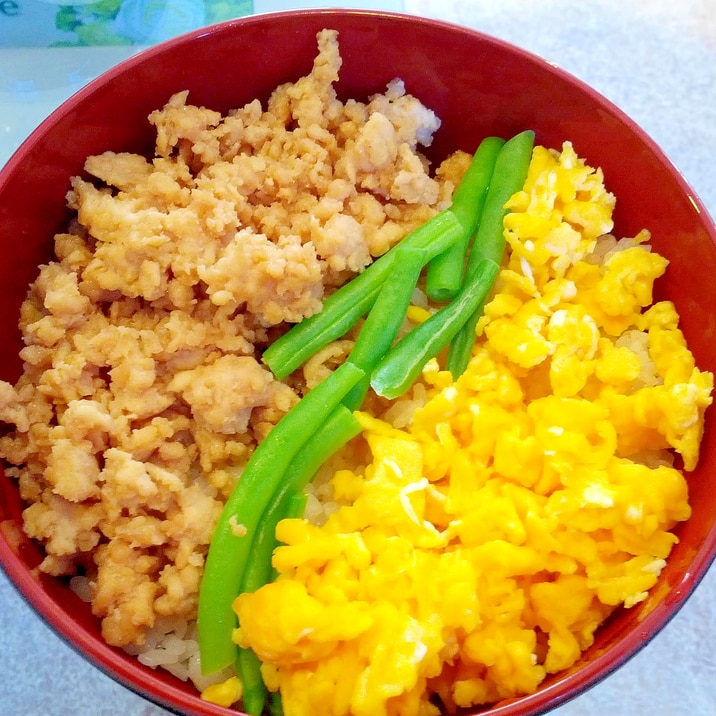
478,548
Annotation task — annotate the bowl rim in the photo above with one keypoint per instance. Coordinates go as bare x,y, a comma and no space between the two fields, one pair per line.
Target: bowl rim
145,54
142,680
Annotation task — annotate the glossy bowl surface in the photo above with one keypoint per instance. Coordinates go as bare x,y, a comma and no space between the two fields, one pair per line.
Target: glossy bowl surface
478,86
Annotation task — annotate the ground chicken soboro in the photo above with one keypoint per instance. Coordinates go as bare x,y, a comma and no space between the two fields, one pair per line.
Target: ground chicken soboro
142,388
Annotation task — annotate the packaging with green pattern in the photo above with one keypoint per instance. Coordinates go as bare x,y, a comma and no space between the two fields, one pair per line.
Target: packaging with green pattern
53,23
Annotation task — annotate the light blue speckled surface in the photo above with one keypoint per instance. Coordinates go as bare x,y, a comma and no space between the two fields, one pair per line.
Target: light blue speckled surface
656,59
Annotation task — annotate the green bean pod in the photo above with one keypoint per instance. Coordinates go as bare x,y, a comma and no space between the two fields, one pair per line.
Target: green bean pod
296,504
275,704
262,476
397,371
248,669
445,273
460,351
508,178
340,427
384,320
340,312
288,500
342,309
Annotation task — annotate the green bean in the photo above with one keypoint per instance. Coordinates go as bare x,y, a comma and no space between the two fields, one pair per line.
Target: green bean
461,346
275,704
384,320
342,309
228,551
508,178
340,426
288,500
402,364
387,314
445,273
296,504
248,669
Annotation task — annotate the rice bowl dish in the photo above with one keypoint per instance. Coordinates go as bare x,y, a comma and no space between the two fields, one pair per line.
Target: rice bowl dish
550,473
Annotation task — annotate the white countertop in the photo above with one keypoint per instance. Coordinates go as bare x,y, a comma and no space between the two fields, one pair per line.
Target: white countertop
655,59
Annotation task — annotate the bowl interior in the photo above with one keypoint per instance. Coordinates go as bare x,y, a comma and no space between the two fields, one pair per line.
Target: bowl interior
478,86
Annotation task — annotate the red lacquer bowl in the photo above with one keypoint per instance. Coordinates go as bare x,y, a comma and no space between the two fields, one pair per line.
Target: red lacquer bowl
478,86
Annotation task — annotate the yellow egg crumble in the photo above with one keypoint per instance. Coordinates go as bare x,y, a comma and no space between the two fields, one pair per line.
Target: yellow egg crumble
485,542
